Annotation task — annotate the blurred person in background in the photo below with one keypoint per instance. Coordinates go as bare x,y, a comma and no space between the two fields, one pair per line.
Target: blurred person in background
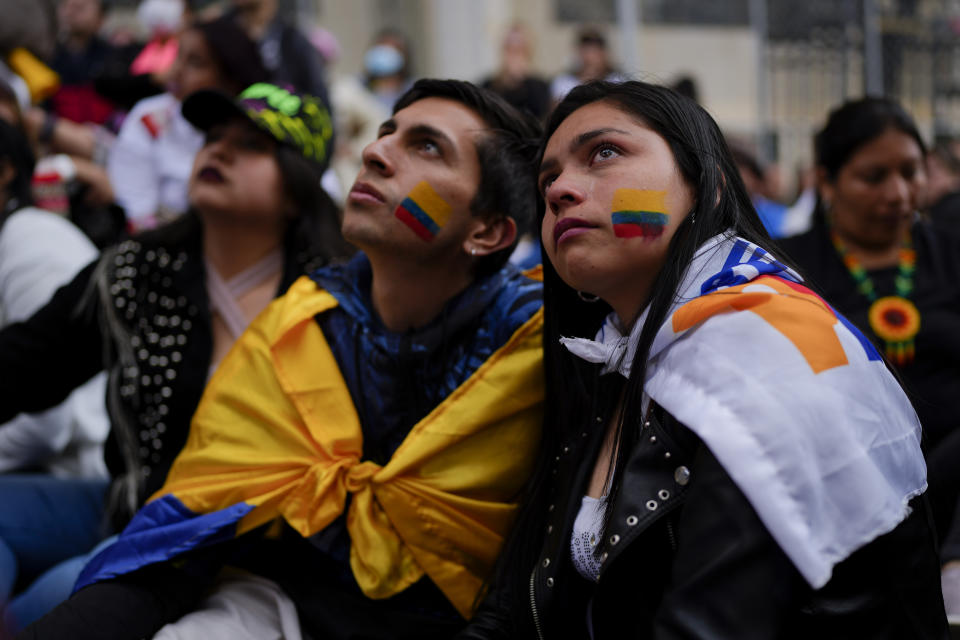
141,69
592,61
754,177
31,24
515,80
386,67
287,54
516,83
887,270
361,102
81,55
943,186
71,183
39,252
799,215
161,19
150,162
357,116
686,85
158,313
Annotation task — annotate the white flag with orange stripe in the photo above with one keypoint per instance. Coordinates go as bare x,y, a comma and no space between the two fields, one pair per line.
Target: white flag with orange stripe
793,400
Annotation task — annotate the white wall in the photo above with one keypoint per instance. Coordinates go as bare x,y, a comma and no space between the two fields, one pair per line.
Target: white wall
461,39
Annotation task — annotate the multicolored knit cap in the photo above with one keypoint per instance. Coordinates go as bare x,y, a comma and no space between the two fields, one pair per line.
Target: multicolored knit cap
295,119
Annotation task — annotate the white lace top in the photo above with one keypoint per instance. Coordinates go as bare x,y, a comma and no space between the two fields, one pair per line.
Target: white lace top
587,533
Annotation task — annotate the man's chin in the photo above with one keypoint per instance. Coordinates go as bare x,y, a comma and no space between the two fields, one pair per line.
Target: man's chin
359,232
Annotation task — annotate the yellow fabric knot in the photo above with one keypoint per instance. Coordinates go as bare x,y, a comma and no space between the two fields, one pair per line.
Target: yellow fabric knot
359,476
277,430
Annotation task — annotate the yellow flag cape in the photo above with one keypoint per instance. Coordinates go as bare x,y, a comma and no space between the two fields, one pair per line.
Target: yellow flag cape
276,435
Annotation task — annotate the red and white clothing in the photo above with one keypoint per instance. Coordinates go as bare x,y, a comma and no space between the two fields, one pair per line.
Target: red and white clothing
150,163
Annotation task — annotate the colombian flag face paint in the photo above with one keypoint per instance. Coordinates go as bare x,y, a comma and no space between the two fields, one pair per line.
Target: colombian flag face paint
424,211
638,213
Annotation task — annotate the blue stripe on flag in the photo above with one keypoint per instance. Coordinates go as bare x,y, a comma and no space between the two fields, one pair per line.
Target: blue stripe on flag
872,353
639,217
417,212
736,271
161,530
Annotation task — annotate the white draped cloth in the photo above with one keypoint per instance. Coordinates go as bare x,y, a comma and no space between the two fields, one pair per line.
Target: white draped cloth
794,402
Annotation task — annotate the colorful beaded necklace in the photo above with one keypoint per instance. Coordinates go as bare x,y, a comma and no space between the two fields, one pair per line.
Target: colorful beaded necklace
894,319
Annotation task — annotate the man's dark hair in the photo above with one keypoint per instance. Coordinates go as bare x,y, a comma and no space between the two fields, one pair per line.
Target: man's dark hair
507,155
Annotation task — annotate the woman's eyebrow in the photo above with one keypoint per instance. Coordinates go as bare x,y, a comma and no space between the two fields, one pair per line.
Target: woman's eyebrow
579,141
586,137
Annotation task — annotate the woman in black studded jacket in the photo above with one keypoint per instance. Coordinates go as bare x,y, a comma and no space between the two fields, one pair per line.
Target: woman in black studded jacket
725,456
160,310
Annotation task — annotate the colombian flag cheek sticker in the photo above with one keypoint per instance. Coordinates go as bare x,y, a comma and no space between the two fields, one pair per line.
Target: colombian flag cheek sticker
424,211
638,213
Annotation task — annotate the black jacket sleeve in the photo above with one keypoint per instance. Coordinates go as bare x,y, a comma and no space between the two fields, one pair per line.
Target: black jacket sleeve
53,352
130,607
729,578
493,619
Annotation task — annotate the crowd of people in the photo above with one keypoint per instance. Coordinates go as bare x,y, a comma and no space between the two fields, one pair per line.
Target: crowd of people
399,357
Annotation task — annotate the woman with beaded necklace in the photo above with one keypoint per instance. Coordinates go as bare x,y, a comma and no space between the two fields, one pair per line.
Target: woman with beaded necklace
880,263
883,266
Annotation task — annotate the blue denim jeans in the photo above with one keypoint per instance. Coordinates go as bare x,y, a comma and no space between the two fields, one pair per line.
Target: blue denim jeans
44,521
50,589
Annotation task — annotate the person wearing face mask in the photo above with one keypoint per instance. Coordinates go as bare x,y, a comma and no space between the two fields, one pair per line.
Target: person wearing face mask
149,163
725,455
888,270
386,67
286,52
159,313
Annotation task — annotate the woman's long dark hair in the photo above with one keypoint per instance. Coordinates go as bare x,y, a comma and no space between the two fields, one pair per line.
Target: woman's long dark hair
721,206
313,235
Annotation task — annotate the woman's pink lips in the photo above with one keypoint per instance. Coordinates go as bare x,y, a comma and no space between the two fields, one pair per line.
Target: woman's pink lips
568,228
569,233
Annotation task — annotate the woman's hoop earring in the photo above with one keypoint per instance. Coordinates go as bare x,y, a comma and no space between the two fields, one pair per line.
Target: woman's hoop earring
586,297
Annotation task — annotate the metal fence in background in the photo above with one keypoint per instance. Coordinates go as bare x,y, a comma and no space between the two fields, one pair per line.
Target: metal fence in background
817,53
822,52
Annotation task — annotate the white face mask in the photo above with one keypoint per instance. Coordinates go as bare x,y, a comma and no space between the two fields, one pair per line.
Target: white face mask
160,17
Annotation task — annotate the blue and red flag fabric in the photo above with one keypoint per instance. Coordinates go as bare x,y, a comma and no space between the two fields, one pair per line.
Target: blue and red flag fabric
639,213
424,211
